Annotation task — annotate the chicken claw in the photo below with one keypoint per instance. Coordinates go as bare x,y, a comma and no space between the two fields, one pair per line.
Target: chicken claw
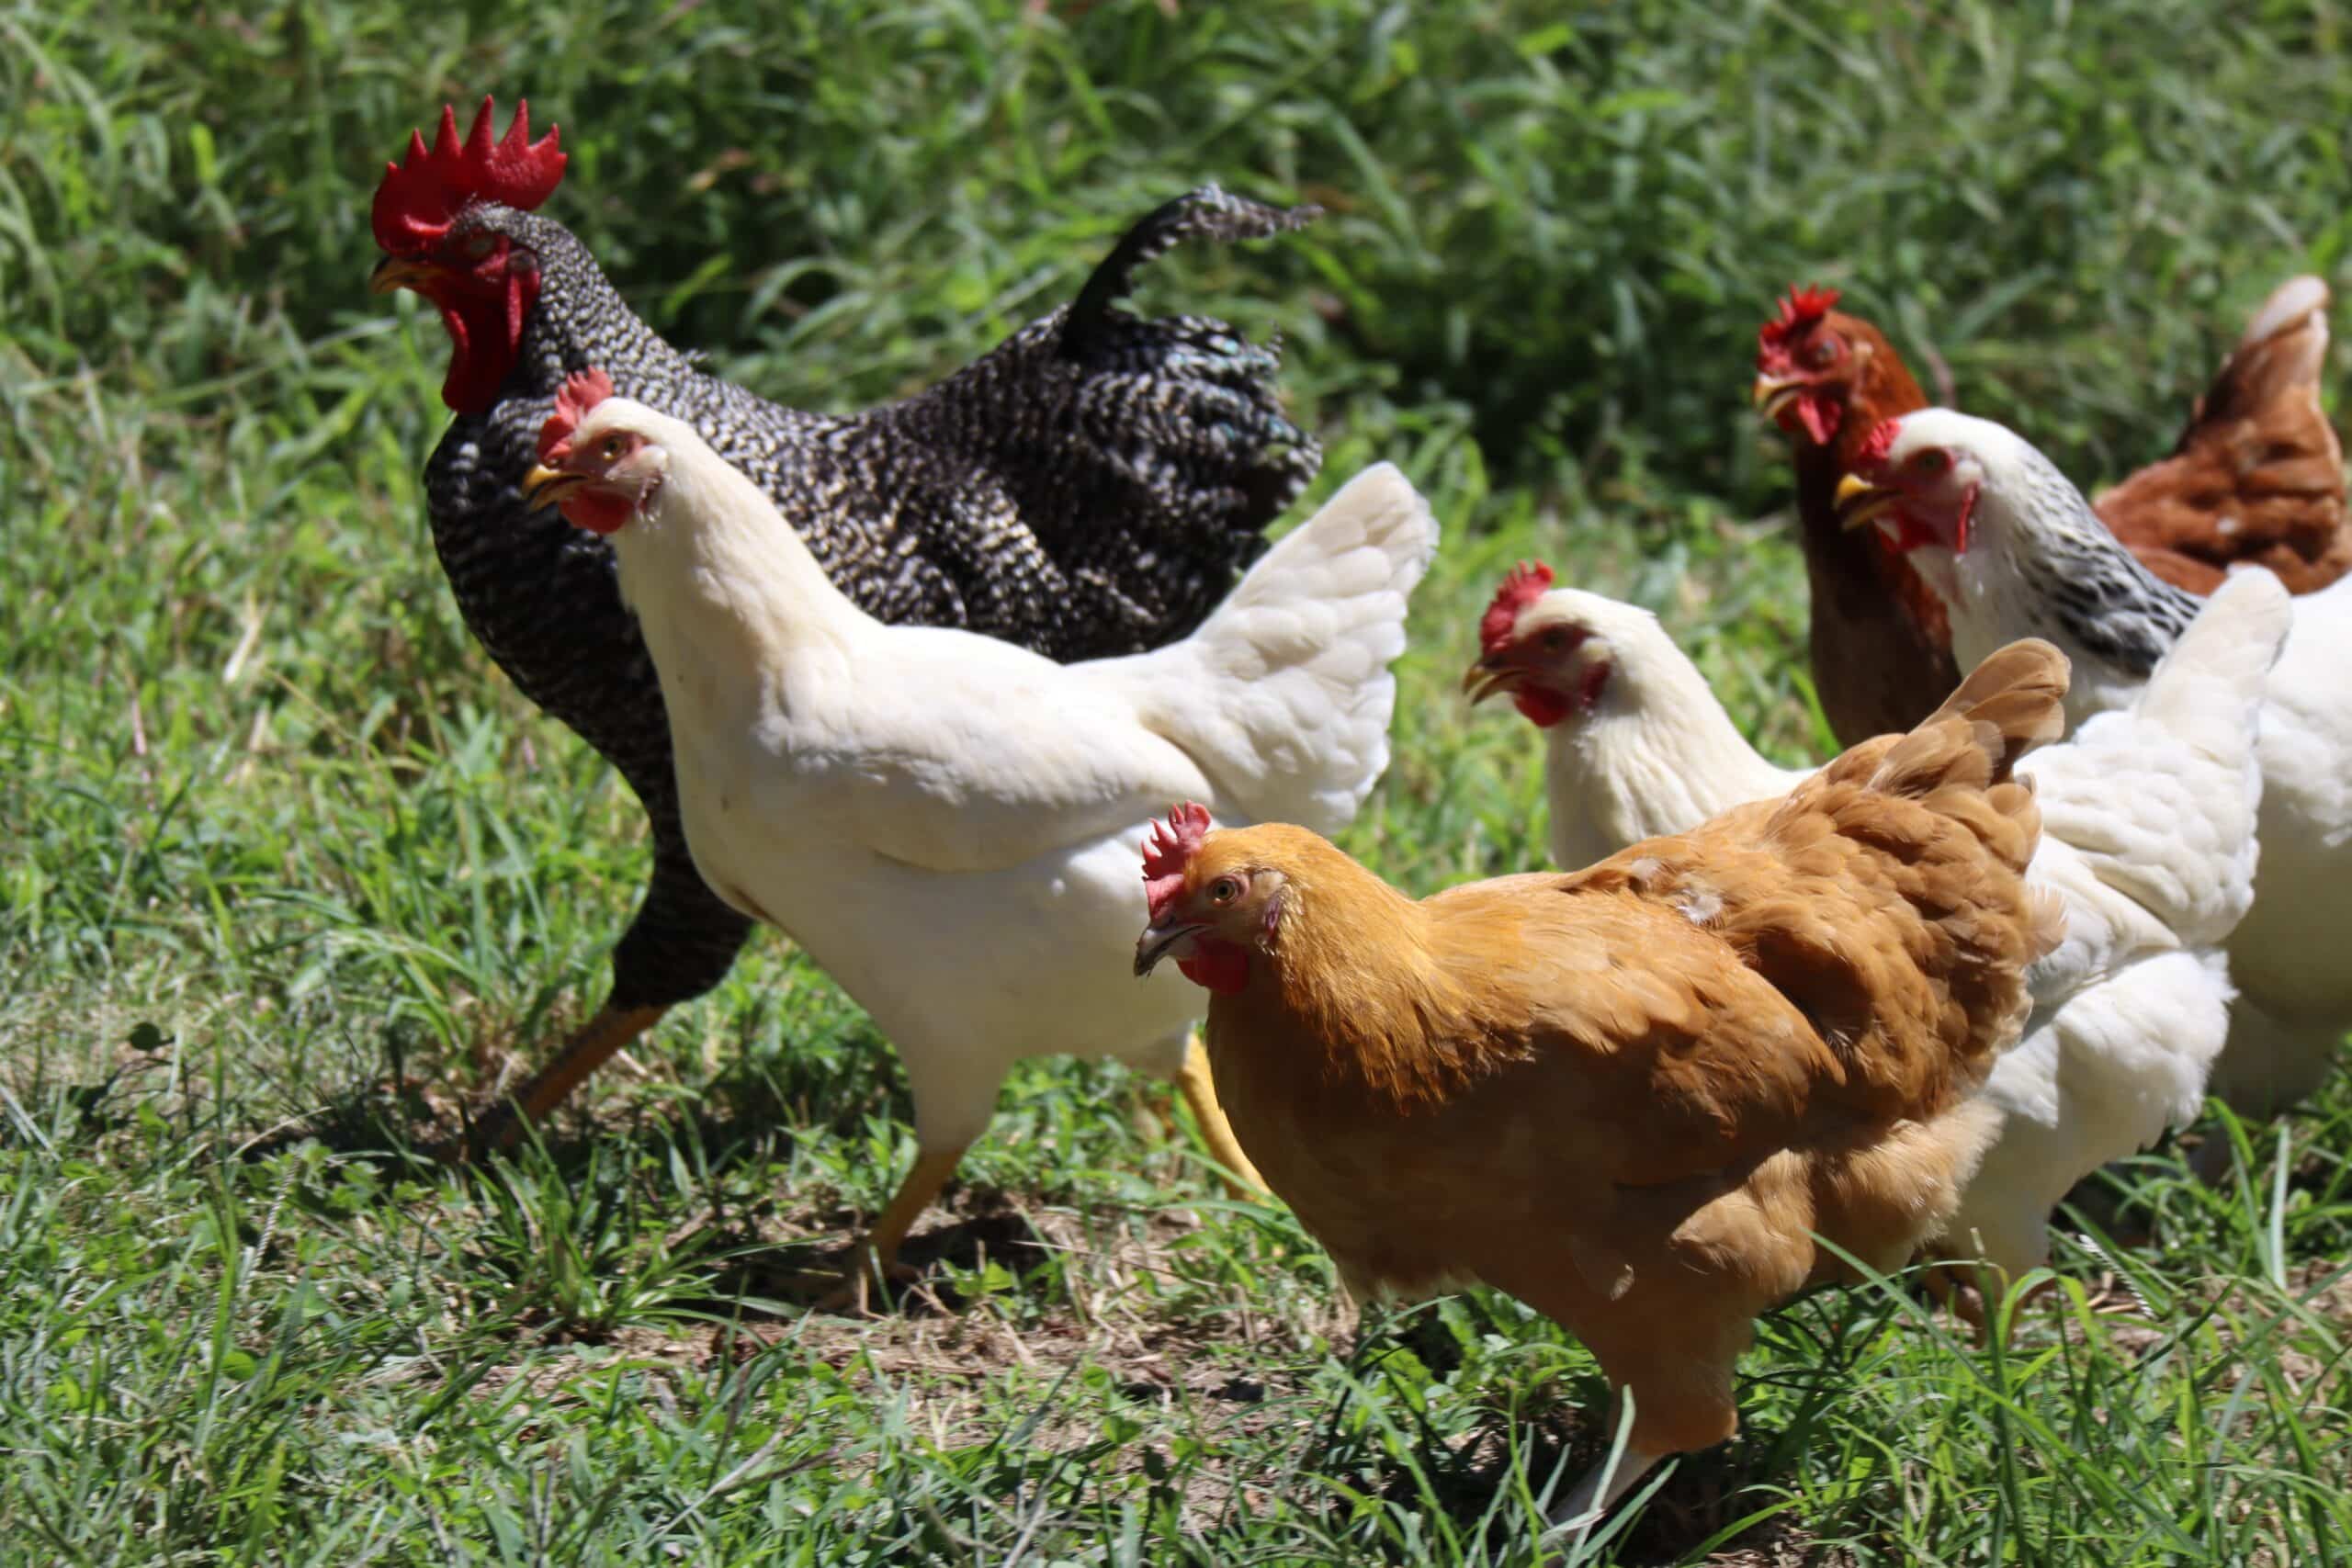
876,1256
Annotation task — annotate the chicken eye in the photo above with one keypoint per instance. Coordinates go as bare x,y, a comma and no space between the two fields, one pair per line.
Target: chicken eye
476,246
1931,463
1821,352
1224,890
611,449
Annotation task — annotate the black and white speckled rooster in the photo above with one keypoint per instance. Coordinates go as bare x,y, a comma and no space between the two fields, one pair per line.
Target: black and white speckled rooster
1091,487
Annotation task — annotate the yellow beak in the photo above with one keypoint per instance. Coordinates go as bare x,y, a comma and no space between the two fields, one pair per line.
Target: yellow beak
1487,677
1861,503
542,486
1771,395
398,272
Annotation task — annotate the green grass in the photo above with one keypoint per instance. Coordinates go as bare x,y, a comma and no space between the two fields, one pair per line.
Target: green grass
291,873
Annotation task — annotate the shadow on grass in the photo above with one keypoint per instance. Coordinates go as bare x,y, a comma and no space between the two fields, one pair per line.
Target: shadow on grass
1706,1509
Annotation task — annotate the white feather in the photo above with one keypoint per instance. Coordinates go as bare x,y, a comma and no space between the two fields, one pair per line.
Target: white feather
2288,955
2148,837
950,825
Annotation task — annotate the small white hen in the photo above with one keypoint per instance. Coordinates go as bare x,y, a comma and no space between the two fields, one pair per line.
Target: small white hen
947,823
2148,835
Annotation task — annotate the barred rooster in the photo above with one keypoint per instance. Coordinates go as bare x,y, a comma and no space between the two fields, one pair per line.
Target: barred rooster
1091,487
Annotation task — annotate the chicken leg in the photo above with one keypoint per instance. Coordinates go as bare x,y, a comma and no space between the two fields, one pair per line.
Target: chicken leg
590,1047
1589,1500
876,1255
1200,1093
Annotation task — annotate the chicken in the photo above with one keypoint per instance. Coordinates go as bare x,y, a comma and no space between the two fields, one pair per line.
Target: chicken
1090,488
2257,476
1635,746
1631,1095
2147,839
1879,650
944,821
2013,549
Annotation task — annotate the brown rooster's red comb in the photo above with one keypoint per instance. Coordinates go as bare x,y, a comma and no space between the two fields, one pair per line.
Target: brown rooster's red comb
421,196
1872,457
582,390
1799,309
1523,586
1170,850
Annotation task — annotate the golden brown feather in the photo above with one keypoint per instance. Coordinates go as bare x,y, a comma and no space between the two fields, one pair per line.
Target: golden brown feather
2258,474
1630,1094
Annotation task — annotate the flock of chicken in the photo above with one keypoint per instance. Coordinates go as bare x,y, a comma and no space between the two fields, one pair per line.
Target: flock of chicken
913,683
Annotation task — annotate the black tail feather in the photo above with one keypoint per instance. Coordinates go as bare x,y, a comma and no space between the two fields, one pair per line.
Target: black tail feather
1207,213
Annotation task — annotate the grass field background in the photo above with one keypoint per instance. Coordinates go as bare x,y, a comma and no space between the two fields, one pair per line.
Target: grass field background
287,872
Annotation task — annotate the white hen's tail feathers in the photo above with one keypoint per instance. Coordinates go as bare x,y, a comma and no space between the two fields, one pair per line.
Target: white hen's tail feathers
2208,687
2160,800
1283,695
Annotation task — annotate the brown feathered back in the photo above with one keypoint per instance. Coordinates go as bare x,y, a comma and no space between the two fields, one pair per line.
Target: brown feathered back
2258,474
1890,923
1634,1096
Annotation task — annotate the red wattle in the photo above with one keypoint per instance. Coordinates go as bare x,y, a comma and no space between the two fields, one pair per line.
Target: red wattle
1821,415
605,514
1221,966
485,334
1541,706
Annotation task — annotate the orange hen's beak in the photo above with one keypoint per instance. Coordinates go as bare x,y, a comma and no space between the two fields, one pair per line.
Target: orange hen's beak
1171,938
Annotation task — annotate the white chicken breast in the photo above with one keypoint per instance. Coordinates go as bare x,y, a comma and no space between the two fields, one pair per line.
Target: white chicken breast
948,823
2148,837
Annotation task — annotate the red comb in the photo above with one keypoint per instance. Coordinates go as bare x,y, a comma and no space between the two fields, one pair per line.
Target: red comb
1523,586
582,390
1874,453
1800,309
1170,850
422,195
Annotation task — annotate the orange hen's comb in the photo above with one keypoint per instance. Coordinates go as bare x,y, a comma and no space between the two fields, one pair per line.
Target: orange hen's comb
1523,586
582,390
1872,457
1799,309
422,195
1170,850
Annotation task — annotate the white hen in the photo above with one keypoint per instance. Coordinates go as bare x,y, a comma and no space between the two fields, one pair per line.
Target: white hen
2148,837
947,823
2013,550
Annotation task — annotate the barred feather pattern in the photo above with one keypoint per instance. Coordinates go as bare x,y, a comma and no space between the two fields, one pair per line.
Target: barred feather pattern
1091,487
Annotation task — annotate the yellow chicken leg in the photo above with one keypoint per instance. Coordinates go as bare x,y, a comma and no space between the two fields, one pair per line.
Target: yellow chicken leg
1200,1093
876,1253
592,1046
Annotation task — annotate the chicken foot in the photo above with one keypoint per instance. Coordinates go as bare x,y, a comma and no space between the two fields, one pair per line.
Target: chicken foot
876,1255
590,1047
1241,1180
1589,1500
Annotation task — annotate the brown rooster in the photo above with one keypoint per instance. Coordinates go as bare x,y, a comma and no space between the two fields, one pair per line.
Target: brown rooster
1634,1095
2256,477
